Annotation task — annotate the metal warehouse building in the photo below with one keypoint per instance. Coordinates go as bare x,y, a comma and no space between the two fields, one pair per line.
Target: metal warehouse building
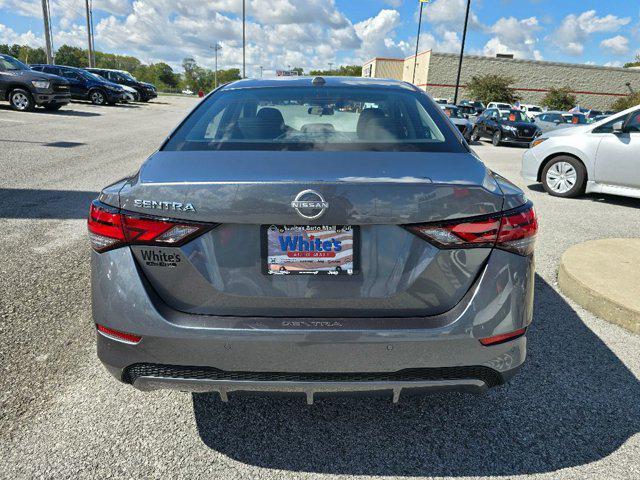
595,86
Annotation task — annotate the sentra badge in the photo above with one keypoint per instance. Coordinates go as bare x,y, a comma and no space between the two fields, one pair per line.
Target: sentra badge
160,205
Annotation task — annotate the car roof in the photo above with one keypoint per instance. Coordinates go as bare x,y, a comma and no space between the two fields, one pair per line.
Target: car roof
287,82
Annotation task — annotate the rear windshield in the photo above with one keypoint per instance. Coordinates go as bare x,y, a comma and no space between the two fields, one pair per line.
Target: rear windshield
316,118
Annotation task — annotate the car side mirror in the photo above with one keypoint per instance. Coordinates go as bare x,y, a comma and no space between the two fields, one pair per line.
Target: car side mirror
617,127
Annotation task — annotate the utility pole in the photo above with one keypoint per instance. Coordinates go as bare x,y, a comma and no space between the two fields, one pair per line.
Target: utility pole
415,58
330,67
261,70
464,37
216,47
47,31
89,35
244,39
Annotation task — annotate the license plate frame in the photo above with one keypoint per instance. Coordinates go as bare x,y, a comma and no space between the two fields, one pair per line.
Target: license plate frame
343,233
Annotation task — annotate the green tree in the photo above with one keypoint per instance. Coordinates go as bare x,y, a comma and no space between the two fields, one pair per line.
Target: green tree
635,63
629,101
71,56
164,75
342,71
559,99
492,88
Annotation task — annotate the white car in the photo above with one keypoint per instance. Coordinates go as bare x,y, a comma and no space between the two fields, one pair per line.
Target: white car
600,157
499,106
531,111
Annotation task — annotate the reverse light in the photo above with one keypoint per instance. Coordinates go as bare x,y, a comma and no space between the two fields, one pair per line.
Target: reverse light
118,335
504,337
111,228
514,231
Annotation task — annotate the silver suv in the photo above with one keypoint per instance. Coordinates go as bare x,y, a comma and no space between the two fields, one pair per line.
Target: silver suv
313,236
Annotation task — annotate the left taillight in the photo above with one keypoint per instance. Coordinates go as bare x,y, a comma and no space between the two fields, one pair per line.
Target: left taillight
111,228
514,231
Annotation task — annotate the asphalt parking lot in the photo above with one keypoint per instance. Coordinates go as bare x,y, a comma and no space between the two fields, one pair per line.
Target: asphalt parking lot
572,412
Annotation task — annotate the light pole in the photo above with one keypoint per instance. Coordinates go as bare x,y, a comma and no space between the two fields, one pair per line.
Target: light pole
244,39
415,58
47,31
330,67
216,47
464,38
89,35
261,70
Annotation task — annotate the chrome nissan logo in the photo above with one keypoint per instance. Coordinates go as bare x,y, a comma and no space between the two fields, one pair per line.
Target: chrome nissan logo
310,204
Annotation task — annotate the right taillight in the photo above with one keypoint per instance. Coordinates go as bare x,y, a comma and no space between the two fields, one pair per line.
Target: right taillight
111,228
513,230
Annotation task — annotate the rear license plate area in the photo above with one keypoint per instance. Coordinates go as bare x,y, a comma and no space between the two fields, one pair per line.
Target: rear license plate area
310,250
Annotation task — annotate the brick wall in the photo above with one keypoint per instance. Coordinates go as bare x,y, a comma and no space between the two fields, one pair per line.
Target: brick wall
595,87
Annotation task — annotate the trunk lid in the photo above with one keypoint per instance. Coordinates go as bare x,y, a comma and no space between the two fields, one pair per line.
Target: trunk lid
221,272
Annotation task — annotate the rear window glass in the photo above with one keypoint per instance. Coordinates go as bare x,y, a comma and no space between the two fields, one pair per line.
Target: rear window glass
316,118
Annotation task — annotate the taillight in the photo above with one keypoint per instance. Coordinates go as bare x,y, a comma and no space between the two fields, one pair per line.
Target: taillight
111,228
514,230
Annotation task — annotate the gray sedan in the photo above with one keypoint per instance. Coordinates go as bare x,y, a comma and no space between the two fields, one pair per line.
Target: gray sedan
312,236
555,119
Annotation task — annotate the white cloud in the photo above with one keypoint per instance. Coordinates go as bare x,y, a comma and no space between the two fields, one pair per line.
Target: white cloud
10,36
574,30
394,3
617,45
377,35
514,36
450,13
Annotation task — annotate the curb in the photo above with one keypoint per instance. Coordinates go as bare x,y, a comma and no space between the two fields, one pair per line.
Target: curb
577,287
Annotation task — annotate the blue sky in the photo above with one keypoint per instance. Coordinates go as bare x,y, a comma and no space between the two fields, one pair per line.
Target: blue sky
312,33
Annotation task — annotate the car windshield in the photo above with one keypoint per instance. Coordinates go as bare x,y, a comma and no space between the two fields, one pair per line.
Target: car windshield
316,118
91,76
127,76
514,116
575,118
535,109
452,112
10,63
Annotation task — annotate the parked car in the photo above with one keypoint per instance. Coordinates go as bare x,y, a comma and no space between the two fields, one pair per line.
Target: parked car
476,104
146,91
25,89
500,106
468,111
555,119
230,262
511,126
532,111
130,94
84,85
600,157
442,101
459,120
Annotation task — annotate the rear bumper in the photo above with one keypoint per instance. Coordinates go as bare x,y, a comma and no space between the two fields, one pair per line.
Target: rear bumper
312,356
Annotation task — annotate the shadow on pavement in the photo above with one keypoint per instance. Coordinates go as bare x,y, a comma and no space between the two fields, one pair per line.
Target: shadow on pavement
62,144
573,403
597,197
43,204
62,112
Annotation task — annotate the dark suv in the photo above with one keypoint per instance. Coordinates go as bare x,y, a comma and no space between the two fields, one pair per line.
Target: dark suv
85,85
24,89
146,91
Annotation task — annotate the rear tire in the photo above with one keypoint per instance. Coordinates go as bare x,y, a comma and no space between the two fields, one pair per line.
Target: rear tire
564,176
97,97
21,100
496,140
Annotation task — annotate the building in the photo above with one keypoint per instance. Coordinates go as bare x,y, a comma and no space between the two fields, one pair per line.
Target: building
594,86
